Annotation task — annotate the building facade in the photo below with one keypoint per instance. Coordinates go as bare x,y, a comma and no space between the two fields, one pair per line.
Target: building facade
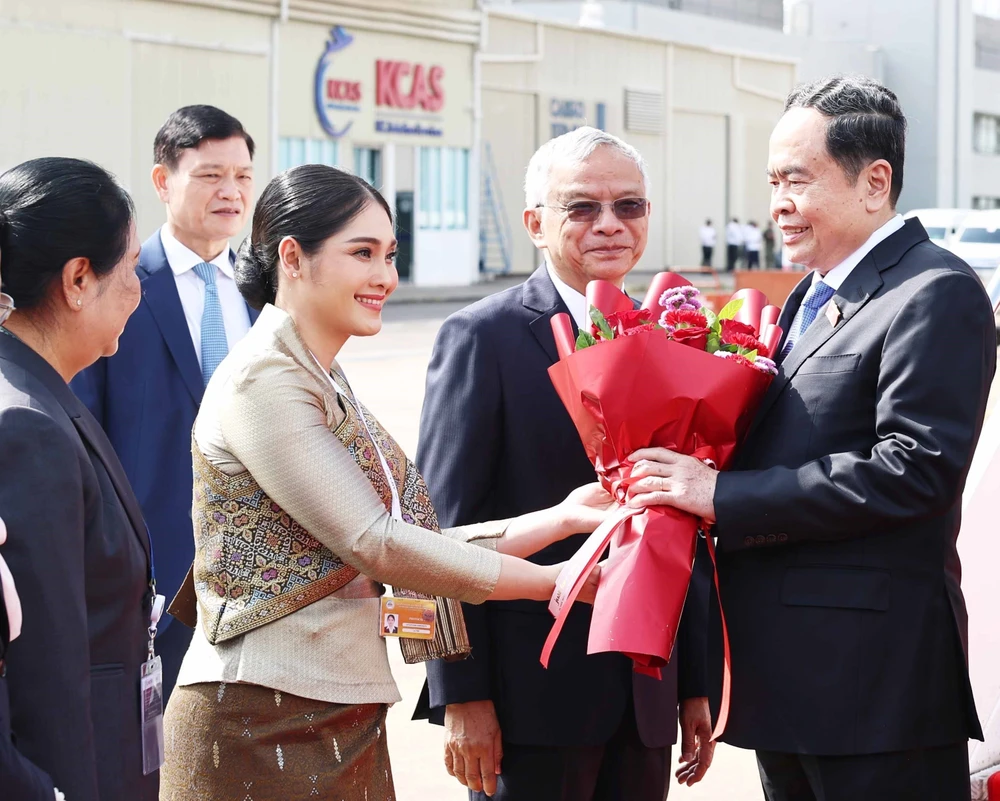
384,88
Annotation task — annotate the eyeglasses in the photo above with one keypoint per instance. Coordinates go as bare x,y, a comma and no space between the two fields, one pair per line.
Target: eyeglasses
626,208
6,306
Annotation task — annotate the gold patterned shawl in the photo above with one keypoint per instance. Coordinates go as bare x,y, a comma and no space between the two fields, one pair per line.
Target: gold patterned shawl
255,564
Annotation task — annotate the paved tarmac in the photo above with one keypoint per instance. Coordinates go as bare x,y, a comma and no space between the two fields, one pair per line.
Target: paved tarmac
388,371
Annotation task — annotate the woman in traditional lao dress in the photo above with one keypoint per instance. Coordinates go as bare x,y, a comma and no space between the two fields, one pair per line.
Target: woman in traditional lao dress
303,507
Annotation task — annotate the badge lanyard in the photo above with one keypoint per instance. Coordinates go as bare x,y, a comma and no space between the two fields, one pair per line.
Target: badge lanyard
408,618
397,511
151,684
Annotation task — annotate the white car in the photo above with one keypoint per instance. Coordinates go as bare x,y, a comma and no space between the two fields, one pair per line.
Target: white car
941,224
978,242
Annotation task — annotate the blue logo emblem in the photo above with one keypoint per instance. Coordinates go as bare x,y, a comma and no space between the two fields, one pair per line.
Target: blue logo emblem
334,95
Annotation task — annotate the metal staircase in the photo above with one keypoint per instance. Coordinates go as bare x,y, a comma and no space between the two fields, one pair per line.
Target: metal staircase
494,227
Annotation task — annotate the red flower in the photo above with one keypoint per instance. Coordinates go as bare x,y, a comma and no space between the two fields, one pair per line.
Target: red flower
734,327
691,336
623,322
744,342
684,318
738,359
628,332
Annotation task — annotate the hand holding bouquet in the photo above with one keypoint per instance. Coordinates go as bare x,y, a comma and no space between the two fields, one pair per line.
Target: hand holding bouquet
669,374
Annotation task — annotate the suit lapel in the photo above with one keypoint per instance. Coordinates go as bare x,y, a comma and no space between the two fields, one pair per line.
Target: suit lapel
858,288
92,433
160,294
540,295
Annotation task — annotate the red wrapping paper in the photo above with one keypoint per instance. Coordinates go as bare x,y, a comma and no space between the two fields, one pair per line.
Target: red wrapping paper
630,393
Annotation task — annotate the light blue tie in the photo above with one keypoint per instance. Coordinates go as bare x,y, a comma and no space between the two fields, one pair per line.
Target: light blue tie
817,296
214,345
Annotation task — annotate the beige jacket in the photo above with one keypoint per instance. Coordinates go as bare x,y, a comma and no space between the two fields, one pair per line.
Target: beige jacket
271,413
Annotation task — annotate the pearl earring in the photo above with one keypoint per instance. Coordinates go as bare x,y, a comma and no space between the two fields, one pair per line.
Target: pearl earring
79,302
295,274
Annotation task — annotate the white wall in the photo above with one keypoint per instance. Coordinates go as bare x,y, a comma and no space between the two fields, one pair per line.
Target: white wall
445,258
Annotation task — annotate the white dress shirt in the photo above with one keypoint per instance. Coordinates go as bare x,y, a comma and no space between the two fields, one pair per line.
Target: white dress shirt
734,233
836,277
752,237
191,289
707,234
839,274
575,302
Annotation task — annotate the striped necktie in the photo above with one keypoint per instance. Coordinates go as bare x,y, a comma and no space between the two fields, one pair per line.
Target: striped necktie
214,345
817,296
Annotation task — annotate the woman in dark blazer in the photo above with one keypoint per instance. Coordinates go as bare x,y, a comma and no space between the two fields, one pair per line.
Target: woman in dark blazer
76,539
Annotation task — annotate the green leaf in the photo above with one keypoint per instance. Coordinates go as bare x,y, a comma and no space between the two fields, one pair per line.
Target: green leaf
731,309
602,324
585,340
713,343
730,348
711,320
751,355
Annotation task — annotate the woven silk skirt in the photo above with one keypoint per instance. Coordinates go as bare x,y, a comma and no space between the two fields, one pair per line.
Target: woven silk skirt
242,742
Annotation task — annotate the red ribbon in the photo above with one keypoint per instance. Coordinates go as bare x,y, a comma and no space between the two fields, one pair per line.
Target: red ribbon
576,572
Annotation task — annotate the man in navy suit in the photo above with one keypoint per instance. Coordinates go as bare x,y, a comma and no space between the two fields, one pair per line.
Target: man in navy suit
495,441
147,395
837,526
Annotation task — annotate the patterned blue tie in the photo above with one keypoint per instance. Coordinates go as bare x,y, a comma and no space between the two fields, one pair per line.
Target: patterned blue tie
214,345
817,296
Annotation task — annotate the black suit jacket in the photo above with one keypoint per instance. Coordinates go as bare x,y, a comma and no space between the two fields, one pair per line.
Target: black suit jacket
496,442
837,525
79,549
19,778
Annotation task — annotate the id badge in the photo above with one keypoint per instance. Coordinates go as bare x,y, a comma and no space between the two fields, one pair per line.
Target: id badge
410,618
151,704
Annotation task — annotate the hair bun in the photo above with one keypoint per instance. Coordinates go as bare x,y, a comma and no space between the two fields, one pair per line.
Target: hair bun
253,276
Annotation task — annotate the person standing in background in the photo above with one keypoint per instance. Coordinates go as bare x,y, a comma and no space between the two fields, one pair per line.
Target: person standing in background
752,240
734,241
770,259
147,395
707,235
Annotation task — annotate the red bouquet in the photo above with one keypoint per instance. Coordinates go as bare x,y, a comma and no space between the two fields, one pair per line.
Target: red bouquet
670,374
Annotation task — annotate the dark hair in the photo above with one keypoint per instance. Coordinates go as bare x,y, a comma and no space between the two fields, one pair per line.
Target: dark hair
188,127
53,210
310,203
866,123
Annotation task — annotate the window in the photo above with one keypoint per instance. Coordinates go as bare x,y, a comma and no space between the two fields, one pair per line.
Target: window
444,188
295,151
986,134
981,236
368,165
985,202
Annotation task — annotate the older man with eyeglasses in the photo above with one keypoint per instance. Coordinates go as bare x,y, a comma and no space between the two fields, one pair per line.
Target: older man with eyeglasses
496,440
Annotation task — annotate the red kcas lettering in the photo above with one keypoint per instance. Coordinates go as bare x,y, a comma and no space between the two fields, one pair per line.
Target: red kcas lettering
349,91
425,88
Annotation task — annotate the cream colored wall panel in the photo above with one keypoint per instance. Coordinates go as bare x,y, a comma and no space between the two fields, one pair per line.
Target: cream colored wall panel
64,95
757,190
767,76
301,47
508,126
165,78
519,77
510,36
698,184
702,81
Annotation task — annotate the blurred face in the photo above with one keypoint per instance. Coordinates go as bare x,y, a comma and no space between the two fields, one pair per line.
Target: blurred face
823,215
343,286
208,194
605,247
117,296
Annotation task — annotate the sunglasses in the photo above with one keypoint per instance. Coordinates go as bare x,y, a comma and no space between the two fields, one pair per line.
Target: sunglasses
6,306
626,208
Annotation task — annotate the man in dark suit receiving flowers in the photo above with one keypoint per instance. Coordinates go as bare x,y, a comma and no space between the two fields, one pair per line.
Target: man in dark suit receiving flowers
837,525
